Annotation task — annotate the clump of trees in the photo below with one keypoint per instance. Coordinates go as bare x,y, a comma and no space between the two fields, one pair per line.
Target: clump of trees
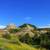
13,30
45,40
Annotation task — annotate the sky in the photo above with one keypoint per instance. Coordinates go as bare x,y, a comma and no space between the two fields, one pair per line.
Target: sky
36,12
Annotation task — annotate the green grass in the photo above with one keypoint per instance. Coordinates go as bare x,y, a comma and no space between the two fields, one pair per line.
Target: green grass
6,45
14,44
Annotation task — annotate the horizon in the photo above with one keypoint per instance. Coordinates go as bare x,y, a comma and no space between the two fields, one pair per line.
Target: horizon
4,26
36,12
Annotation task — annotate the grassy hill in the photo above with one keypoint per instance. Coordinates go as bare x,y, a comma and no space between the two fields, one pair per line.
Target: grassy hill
14,44
5,45
25,37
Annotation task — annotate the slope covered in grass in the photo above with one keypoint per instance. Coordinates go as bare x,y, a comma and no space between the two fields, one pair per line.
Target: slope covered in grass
6,44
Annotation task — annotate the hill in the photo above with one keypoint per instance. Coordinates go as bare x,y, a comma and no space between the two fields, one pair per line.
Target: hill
14,44
24,37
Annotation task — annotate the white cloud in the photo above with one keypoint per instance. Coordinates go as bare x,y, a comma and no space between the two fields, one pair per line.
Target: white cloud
1,26
46,26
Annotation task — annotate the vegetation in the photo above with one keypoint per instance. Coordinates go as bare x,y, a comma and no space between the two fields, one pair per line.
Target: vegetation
14,44
11,41
13,30
25,25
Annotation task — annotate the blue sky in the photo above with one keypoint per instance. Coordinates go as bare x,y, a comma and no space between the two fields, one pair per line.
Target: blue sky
35,12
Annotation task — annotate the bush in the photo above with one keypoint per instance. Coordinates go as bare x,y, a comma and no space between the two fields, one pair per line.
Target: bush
7,36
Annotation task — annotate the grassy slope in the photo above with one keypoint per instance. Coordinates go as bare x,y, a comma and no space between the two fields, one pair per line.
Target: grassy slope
5,45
